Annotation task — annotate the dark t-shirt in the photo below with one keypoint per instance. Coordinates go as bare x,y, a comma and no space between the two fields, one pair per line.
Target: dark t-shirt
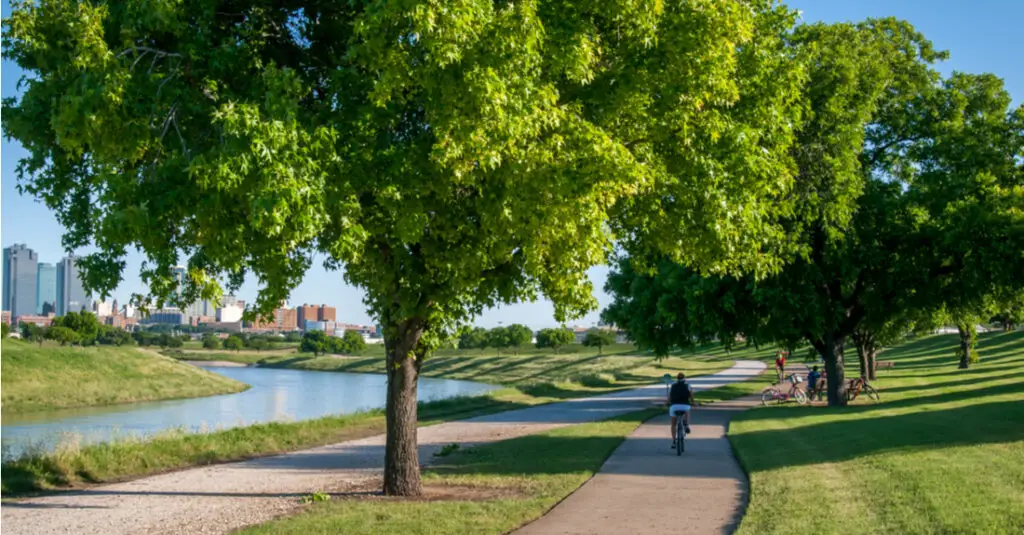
680,393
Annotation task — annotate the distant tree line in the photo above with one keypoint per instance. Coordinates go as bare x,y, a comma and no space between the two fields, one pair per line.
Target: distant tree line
318,343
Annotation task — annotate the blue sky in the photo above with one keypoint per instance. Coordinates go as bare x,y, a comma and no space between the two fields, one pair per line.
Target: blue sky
982,36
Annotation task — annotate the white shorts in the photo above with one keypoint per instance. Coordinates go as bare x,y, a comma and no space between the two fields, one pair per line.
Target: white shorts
678,407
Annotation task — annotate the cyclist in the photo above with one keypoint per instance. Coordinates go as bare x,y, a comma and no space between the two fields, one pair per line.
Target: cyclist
780,364
680,398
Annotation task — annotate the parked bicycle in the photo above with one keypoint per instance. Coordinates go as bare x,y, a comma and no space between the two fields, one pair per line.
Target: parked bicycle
859,386
795,393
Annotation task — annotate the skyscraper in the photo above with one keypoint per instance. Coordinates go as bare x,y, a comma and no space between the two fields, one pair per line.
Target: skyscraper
46,287
20,272
71,296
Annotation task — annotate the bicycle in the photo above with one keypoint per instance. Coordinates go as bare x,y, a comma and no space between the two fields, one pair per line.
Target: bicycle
859,386
680,432
774,394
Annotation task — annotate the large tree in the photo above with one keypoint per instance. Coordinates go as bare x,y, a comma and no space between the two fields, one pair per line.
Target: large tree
841,220
937,226
449,157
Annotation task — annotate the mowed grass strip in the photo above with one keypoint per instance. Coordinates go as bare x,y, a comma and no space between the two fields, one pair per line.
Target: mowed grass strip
942,453
503,486
616,367
51,377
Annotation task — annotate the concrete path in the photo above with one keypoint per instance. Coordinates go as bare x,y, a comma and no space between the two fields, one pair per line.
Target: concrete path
645,488
221,498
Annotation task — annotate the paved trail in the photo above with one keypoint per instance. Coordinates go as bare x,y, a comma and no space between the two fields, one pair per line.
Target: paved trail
221,498
645,488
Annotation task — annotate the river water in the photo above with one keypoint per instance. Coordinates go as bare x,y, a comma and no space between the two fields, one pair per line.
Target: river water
276,395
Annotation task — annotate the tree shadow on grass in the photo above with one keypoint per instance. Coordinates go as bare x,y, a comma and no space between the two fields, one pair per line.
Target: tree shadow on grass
547,371
983,376
985,423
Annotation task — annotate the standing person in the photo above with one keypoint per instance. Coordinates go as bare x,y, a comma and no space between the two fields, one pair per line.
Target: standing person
780,364
812,383
680,398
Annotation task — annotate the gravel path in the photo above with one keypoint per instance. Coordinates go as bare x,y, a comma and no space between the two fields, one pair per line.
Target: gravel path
221,498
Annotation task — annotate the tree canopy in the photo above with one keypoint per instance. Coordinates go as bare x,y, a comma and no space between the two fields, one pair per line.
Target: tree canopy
599,338
556,339
904,246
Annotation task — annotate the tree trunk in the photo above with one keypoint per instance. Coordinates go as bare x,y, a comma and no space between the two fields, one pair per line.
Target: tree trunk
862,356
401,457
831,349
966,331
865,343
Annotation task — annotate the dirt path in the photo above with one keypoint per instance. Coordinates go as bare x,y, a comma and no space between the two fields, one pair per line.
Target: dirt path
218,499
645,488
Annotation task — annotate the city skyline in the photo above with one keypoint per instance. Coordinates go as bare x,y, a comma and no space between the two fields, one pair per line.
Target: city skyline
981,37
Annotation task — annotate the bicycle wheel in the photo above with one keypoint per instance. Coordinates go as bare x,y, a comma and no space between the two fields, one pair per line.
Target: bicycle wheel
769,395
680,436
871,393
800,397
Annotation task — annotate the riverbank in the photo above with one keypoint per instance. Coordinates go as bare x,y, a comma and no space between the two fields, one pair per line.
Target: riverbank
49,377
575,371
941,453
76,466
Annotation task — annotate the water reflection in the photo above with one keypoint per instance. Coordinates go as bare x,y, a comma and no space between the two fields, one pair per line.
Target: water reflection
276,395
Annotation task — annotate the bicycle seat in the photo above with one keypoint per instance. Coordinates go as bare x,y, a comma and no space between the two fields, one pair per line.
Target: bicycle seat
678,413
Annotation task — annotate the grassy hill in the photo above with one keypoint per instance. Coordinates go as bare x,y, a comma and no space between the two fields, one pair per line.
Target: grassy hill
618,366
942,453
52,377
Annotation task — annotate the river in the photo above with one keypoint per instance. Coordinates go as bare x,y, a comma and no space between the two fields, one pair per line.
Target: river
276,395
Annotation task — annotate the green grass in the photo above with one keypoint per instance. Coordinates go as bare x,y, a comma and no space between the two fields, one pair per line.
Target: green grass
581,374
620,366
73,466
493,488
53,377
942,453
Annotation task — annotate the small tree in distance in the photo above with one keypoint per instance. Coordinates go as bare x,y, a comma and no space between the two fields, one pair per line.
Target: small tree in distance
556,339
518,336
599,338
33,333
62,335
352,343
498,339
314,342
210,341
233,342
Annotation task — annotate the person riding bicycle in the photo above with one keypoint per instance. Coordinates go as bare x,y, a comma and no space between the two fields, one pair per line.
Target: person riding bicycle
780,364
680,399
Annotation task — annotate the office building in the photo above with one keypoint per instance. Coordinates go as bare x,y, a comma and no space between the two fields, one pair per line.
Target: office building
71,296
19,285
229,313
46,288
306,313
326,313
103,308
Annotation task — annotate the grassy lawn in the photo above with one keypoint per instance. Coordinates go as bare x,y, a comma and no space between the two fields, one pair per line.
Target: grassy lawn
493,488
542,371
942,453
54,377
75,466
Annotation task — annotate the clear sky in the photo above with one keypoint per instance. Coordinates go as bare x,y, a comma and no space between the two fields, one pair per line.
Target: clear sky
981,35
